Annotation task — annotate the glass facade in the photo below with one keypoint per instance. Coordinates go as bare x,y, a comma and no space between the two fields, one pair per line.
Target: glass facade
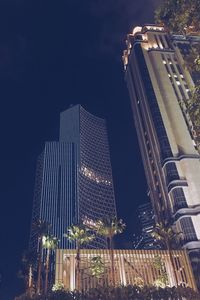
147,225
96,193
188,229
74,178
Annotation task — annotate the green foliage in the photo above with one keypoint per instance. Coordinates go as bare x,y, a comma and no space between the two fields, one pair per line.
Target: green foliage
162,280
167,236
108,227
122,293
58,287
194,105
41,228
97,266
179,16
80,234
192,60
183,17
49,242
193,109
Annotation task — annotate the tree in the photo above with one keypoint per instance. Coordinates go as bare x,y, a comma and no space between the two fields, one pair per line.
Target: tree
193,109
194,105
42,228
109,227
169,239
50,243
192,60
81,235
179,16
183,17
26,271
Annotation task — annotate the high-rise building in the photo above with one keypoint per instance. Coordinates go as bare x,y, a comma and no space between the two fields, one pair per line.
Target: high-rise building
74,177
147,224
160,85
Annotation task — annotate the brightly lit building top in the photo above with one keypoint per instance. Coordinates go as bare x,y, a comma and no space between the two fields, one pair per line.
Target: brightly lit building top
154,37
140,34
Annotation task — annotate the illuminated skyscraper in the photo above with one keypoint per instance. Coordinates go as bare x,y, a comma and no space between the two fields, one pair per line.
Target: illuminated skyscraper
147,223
74,177
160,85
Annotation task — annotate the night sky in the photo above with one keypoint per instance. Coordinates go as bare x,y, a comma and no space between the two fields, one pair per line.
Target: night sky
53,54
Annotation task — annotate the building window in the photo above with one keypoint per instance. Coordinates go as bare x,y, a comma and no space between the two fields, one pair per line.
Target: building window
171,172
188,229
165,149
179,200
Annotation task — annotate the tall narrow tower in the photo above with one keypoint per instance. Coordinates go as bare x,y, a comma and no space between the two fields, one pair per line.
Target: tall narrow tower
147,224
160,85
74,177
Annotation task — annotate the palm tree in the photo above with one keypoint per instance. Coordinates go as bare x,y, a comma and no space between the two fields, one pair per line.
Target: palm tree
28,261
81,235
50,243
42,229
26,271
109,227
168,238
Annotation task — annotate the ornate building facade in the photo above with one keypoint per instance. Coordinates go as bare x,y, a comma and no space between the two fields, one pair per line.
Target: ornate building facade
160,86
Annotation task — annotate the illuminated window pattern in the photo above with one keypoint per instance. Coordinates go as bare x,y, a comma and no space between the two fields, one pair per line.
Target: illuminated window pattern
94,176
96,193
180,87
165,148
75,177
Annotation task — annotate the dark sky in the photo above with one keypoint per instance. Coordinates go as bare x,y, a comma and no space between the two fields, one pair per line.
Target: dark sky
53,54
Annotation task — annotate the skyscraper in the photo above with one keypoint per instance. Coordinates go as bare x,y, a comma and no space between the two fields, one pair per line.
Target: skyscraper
74,177
147,223
159,85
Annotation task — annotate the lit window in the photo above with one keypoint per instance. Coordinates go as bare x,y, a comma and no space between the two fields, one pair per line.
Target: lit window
94,176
